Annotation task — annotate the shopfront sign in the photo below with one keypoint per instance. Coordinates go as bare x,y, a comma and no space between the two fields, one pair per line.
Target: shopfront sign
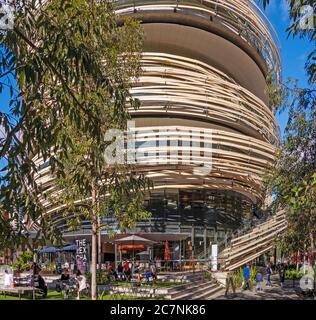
82,255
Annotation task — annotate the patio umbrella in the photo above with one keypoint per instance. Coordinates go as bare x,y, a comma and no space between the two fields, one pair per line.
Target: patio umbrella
49,250
167,252
72,247
134,240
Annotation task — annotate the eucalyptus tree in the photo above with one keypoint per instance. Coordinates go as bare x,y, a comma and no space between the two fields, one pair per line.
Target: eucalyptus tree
292,179
67,66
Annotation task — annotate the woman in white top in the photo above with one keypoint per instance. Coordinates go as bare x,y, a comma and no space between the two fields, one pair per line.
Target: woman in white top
82,283
8,279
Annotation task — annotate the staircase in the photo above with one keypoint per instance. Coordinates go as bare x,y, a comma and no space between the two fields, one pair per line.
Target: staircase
252,244
199,288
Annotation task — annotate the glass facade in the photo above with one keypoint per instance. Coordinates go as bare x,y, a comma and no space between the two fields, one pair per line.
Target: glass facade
206,216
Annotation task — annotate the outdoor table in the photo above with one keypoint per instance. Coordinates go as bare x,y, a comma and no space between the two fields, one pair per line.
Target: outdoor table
19,290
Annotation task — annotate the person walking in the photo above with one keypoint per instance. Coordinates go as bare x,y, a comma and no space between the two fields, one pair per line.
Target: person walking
127,270
154,271
230,281
259,280
82,283
246,274
282,275
269,273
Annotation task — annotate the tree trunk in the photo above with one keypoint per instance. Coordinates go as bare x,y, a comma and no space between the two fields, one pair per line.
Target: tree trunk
99,244
94,261
94,247
311,237
298,261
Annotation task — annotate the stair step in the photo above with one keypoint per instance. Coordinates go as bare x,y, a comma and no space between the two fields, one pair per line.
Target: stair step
199,293
192,290
185,286
188,289
208,294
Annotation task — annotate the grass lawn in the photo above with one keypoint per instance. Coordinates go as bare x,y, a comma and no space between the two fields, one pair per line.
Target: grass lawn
54,295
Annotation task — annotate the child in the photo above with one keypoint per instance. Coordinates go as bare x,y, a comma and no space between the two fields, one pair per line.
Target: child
148,276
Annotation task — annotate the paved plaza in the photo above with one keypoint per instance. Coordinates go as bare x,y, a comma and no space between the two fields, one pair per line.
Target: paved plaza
269,293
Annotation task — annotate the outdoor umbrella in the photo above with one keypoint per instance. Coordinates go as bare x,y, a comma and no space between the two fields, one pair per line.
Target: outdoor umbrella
49,250
72,247
134,240
167,252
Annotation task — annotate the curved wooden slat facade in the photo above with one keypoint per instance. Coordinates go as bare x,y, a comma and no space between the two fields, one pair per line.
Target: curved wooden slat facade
204,122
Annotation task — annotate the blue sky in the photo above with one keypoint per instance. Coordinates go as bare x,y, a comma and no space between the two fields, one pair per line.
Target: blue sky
293,51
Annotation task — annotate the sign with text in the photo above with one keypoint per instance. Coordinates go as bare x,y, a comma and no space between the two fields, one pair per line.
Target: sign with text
82,255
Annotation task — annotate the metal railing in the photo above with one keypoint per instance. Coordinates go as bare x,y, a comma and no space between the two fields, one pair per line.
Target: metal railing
243,17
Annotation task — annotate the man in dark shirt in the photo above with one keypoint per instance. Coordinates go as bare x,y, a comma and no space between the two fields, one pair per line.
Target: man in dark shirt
282,274
65,277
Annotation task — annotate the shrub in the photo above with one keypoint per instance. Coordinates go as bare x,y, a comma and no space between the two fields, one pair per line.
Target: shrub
102,277
239,276
23,262
293,274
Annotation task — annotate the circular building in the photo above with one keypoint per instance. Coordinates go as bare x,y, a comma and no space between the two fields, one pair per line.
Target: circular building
205,132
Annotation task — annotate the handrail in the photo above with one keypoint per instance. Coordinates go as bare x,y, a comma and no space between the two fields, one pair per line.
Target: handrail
246,232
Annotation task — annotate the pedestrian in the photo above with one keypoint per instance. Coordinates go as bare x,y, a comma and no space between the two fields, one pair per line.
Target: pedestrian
148,275
230,281
112,271
8,279
36,268
127,270
269,273
65,283
138,275
154,271
66,265
42,285
259,280
120,272
82,283
282,275
246,274
58,267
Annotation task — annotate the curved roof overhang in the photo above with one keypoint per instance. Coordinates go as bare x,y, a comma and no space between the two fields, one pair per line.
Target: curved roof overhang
207,42
202,24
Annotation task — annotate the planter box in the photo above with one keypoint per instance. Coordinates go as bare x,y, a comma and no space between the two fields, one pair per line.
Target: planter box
289,283
135,291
